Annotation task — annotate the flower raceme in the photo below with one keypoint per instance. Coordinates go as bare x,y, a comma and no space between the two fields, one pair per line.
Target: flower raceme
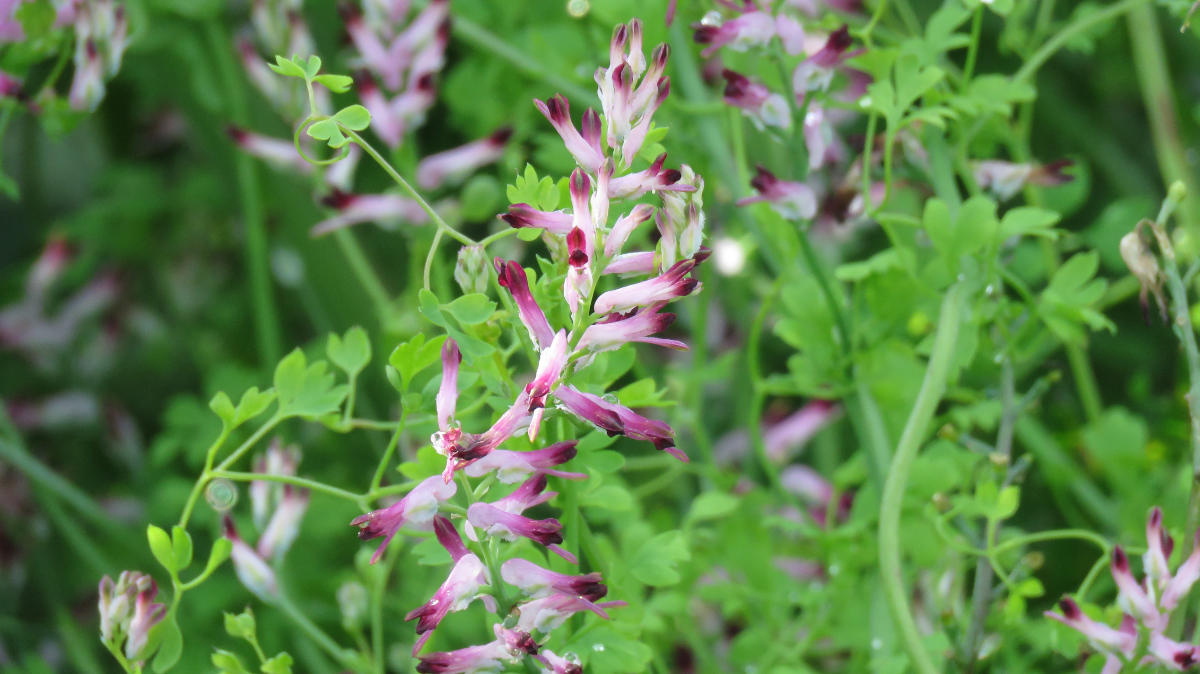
601,228
1146,606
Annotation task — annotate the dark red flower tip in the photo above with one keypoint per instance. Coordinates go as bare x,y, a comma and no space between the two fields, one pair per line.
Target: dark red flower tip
443,31
575,243
337,199
364,82
1168,545
735,83
524,642
236,133
1069,608
546,532
1185,658
664,90
620,35
500,136
425,83
660,55
669,177
1120,561
840,39
704,34
349,12
559,109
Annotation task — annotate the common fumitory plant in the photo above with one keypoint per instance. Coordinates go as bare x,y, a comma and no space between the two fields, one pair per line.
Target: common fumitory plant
570,321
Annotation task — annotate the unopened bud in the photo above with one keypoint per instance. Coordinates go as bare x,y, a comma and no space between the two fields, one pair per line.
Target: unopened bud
1177,192
1034,560
998,459
252,570
941,502
1145,269
471,270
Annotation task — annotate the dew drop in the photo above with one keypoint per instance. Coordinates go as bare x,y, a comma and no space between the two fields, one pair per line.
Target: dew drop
713,18
599,648
578,8
221,494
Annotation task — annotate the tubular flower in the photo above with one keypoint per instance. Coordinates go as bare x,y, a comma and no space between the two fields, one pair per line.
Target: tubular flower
538,582
383,209
756,100
524,215
816,72
252,570
512,276
752,29
585,146
547,613
437,169
461,588
511,467
616,419
128,612
617,329
792,200
555,664
1006,179
1147,606
631,90
416,509
675,282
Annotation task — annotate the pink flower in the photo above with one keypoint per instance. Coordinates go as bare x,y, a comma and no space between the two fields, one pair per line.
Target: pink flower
512,276
569,664
146,614
87,86
127,609
752,29
462,587
489,657
792,200
642,262
550,367
616,419
252,570
816,72
757,101
1101,636
630,90
1133,597
585,147
1006,179
284,525
617,329
353,209
512,466
461,449
623,228
523,215
447,395
547,613
436,169
538,582
651,179
386,122
675,282
279,153
416,509
502,518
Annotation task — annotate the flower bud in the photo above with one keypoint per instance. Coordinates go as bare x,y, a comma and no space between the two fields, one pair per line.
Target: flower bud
471,270
1145,269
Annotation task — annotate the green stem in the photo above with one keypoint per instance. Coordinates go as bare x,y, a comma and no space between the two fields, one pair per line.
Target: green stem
442,225
381,469
364,272
318,636
306,483
266,319
932,388
1150,61
433,246
973,48
1063,36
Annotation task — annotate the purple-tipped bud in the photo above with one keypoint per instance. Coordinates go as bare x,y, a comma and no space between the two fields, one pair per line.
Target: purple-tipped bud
512,276
617,329
558,112
792,200
447,396
513,467
417,509
252,570
524,215
539,582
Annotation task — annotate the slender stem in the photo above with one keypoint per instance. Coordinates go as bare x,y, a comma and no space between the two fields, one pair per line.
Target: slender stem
1063,36
875,17
496,236
381,469
1154,78
981,593
364,272
205,476
266,319
442,225
433,246
973,48
479,36
323,640
250,442
932,388
289,479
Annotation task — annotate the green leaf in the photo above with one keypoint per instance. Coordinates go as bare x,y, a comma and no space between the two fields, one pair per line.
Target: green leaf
181,547
527,188
227,662
528,234
170,641
350,353
241,625
217,556
427,463
654,562
603,461
427,304
413,356
160,547
252,404
642,393
609,497
354,117
279,664
286,67
1029,221
339,84
36,18
328,131
1066,303
471,309
712,505
306,390
1007,502
312,67
222,406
